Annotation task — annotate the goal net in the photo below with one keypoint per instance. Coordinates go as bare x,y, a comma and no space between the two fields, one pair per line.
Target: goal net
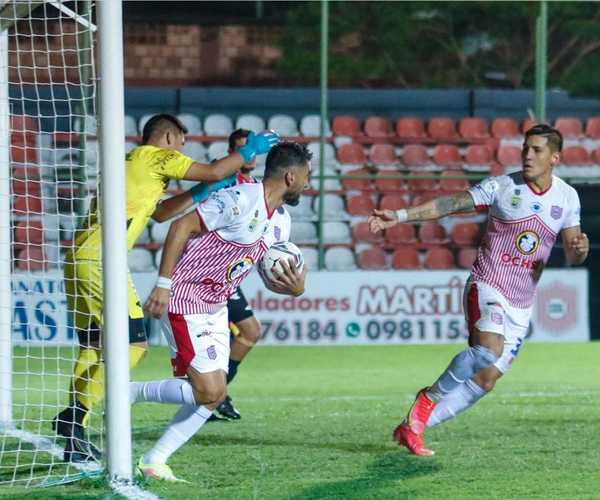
48,177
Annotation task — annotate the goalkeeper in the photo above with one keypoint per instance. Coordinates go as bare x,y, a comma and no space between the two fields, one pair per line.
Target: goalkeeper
149,169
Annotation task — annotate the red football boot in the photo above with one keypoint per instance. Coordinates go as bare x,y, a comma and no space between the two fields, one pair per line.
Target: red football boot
419,412
414,442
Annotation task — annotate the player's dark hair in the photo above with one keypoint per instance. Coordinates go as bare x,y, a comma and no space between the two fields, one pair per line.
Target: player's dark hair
162,123
555,139
240,133
286,155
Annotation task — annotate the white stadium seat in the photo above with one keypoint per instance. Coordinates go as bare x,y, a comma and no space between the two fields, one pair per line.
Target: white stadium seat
159,230
303,211
303,233
140,260
339,259
218,150
311,257
143,121
195,150
310,126
157,257
333,207
191,122
284,125
218,124
89,124
130,126
250,122
144,236
336,232
330,184
315,149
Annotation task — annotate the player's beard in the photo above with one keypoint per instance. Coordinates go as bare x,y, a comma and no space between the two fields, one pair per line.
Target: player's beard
291,198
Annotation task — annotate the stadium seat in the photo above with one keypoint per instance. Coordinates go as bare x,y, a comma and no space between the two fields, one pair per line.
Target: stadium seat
23,154
361,204
361,232
31,258
90,125
23,205
91,152
372,259
478,155
339,259
401,234
592,127
304,233
527,124
357,184
453,181
383,154
140,260
250,122
336,233
30,187
23,130
596,156
329,184
415,155
570,128
465,234
218,150
157,257
406,257
439,258
392,202
441,128
333,207
390,185
466,257
310,126
447,155
144,236
422,198
130,126
143,120
191,122
218,125
432,232
315,149
509,156
195,150
378,126
346,125
352,154
505,128
28,232
576,155
303,211
311,257
426,182
159,230
284,125
409,127
473,128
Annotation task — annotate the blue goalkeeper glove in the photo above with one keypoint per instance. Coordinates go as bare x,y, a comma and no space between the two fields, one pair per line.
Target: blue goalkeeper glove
258,144
201,191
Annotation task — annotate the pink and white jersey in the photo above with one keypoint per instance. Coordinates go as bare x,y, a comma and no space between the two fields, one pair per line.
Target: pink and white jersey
521,231
240,230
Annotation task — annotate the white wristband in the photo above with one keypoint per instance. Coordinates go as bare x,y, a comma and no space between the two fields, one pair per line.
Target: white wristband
163,282
402,215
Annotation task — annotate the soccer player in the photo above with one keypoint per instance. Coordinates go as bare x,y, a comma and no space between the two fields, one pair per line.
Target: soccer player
149,168
206,255
526,211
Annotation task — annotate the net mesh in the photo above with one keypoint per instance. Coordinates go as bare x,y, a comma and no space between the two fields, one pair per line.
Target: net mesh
52,176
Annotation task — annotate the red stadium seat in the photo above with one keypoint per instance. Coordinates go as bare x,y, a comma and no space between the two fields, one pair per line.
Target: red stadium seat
527,124
409,127
442,128
23,130
432,232
26,172
447,155
383,154
478,154
29,232
570,128
392,202
465,234
27,204
352,153
576,155
392,185
23,154
466,257
26,186
422,198
401,234
372,259
509,156
592,127
497,169
415,155
31,258
505,128
473,128
427,182
360,205
453,181
357,184
439,258
361,232
596,156
406,257
378,126
346,125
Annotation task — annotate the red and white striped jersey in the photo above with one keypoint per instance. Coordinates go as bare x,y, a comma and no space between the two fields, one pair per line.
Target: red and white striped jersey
240,230
522,228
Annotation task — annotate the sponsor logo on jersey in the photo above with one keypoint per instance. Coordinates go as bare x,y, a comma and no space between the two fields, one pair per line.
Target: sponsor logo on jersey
253,222
515,202
527,242
239,268
556,212
536,206
277,232
235,211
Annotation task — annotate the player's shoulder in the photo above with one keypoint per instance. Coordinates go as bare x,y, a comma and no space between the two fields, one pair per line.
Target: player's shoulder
281,214
564,187
244,196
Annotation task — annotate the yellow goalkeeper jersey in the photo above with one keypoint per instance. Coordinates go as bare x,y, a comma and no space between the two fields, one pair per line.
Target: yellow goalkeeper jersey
148,170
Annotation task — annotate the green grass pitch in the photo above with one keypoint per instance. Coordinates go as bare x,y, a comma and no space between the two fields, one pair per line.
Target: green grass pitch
317,422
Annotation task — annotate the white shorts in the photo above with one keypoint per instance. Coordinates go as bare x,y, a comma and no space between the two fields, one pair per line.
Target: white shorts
487,310
200,341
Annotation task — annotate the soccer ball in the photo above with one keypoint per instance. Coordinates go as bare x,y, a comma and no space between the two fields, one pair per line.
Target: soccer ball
272,258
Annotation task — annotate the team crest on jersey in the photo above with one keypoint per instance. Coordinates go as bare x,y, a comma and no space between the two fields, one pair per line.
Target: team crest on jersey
515,201
253,222
239,268
556,212
527,242
277,232
536,206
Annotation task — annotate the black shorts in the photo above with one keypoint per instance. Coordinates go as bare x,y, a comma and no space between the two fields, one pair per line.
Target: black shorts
137,333
238,307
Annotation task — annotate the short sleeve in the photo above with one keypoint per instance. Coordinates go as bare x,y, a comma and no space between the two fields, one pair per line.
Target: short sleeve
484,193
221,209
573,211
171,164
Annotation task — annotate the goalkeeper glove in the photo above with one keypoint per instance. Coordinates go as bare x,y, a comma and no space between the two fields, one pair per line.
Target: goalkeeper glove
201,191
258,144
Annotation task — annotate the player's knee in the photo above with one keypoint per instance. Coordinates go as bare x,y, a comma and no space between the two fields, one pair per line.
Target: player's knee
250,331
210,394
486,379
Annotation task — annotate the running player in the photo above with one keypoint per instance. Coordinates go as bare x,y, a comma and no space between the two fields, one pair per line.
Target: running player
206,255
526,211
148,170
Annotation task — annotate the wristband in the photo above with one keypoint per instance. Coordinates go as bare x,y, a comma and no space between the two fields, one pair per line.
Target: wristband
402,215
163,282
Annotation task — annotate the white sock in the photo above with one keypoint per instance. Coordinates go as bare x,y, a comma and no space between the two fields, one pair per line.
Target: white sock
171,391
460,399
186,422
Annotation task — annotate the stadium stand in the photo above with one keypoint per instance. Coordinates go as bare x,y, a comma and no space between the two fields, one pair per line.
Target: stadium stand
218,125
310,126
473,128
576,156
140,260
390,181
410,128
339,259
191,122
346,125
432,232
377,127
401,234
592,127
350,184
441,129
351,154
372,259
570,128
383,154
447,155
362,233
285,125
406,257
415,155
466,257
361,204
439,258
304,233
392,202
250,122
465,234
336,233
505,128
